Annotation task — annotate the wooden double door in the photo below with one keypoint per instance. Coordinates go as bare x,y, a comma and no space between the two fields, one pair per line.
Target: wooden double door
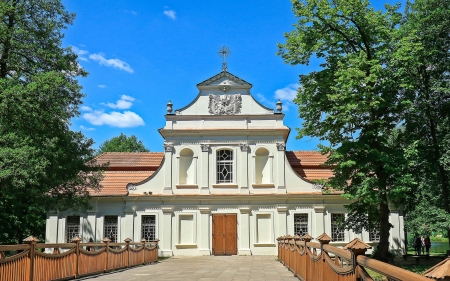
224,234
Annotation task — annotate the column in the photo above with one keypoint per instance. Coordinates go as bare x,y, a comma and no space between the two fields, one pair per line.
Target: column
319,223
168,148
205,234
244,232
204,171
243,169
51,228
166,232
282,221
89,225
281,168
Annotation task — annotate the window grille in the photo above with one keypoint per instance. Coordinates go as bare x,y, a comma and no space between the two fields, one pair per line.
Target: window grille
337,234
374,235
224,166
110,228
300,224
148,228
72,228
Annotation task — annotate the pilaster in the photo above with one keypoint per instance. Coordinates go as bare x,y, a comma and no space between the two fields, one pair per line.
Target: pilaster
282,221
244,170
168,148
244,232
319,222
281,181
51,228
204,231
89,225
128,222
166,231
204,179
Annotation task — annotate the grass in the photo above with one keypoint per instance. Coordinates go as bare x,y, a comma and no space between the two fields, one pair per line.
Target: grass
438,239
160,259
419,269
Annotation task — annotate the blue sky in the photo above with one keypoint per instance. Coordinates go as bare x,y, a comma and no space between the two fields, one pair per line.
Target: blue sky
140,54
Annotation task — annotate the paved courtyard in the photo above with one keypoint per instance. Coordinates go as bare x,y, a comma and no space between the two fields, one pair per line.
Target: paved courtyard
205,268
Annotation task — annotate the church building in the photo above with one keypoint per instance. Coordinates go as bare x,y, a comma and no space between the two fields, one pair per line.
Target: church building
224,184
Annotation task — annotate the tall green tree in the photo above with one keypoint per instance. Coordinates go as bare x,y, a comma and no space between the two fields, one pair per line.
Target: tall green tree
353,102
122,143
43,164
424,74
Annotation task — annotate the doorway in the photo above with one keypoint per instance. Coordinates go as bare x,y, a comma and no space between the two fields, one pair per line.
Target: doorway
224,234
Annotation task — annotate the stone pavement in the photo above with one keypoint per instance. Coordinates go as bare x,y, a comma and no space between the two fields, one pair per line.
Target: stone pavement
205,268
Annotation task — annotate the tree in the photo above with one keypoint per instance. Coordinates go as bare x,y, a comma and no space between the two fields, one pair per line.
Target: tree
353,102
44,166
424,75
122,143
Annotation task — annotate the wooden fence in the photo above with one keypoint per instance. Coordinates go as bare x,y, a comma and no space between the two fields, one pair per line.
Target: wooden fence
30,263
311,261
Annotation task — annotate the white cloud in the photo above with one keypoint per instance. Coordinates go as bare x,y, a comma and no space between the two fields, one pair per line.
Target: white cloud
80,53
125,102
171,14
127,119
86,128
287,95
102,86
261,98
85,108
116,63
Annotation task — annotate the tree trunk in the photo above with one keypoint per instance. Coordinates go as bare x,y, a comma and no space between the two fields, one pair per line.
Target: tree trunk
382,252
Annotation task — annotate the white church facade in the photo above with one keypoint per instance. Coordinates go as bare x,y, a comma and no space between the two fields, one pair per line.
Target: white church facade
224,185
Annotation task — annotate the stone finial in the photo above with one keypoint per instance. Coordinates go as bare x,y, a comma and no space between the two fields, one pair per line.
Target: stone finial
279,106
128,240
324,238
307,237
76,239
357,246
169,107
106,240
31,240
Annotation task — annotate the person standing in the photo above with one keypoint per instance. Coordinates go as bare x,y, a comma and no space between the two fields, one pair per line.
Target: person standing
422,244
427,242
417,244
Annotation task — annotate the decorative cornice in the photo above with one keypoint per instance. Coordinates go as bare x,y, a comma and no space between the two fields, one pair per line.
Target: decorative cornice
244,146
282,209
244,210
168,147
167,209
205,147
319,209
204,210
281,146
223,74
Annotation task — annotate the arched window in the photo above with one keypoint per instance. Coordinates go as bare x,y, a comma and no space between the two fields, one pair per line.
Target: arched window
224,166
262,166
187,168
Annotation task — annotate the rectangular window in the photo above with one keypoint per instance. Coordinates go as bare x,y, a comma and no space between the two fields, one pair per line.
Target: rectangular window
148,228
300,224
374,235
225,166
110,228
337,234
72,228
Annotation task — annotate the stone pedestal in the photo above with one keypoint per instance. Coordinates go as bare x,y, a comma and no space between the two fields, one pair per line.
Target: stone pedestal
166,231
244,232
205,235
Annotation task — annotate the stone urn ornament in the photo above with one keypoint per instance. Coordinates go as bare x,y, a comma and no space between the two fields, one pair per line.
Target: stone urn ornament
169,107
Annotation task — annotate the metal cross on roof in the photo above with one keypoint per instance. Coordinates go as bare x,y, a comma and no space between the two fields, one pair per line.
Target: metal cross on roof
224,52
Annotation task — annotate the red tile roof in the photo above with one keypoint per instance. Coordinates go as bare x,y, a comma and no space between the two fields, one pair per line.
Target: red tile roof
309,164
125,167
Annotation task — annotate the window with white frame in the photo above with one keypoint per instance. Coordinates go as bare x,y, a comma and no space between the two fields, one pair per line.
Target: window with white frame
300,224
374,235
72,228
110,227
148,228
337,233
224,166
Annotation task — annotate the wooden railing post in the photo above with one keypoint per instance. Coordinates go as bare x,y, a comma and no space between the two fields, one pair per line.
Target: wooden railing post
143,250
106,240
76,240
323,239
356,247
31,240
128,240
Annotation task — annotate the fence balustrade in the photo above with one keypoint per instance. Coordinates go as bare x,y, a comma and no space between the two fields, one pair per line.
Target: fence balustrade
29,262
311,261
